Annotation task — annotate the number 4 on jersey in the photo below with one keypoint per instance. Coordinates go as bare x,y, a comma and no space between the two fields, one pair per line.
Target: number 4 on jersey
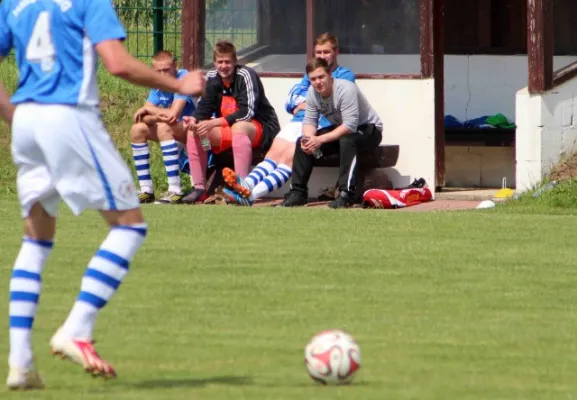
40,47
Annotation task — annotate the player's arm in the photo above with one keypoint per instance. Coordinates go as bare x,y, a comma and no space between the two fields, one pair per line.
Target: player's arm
6,108
176,108
105,31
303,86
121,64
247,98
170,115
349,108
312,115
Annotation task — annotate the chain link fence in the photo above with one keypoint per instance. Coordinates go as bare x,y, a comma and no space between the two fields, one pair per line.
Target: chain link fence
153,25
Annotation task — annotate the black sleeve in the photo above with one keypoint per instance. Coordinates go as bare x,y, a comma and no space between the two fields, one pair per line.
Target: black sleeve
247,97
206,105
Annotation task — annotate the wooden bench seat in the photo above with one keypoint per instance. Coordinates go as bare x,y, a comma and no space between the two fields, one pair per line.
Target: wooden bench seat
463,136
384,156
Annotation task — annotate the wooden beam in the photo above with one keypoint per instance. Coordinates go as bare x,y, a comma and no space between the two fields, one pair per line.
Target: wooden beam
438,33
193,36
426,35
540,44
310,28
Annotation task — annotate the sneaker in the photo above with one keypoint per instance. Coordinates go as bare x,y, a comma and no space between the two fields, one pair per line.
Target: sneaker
170,198
146,197
418,183
235,198
196,196
24,379
293,199
235,182
81,351
344,200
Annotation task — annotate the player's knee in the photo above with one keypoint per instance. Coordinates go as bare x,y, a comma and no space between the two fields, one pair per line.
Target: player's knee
242,128
139,132
164,129
288,153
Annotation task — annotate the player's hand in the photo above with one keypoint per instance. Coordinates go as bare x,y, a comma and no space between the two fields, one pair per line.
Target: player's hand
189,123
141,112
203,127
300,107
166,117
192,84
310,144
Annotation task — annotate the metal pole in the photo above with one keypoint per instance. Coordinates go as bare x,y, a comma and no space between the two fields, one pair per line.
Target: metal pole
158,25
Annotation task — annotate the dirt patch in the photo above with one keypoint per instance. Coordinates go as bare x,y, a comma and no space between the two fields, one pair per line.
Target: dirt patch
566,169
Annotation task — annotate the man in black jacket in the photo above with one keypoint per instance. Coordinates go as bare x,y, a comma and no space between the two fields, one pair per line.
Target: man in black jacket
233,113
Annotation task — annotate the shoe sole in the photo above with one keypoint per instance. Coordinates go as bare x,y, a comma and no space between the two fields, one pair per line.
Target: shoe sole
231,181
23,388
95,372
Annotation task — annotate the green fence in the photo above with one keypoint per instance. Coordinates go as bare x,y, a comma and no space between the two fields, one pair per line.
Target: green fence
153,25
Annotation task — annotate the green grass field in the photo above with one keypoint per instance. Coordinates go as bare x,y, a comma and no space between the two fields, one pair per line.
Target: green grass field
221,301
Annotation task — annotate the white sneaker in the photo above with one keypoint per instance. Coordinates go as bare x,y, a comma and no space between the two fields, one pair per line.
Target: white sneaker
81,351
24,379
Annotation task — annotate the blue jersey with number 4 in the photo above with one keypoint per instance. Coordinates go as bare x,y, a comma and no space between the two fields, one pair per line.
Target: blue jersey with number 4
54,42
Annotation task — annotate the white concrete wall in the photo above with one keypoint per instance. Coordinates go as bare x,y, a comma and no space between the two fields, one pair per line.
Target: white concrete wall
474,85
407,110
546,132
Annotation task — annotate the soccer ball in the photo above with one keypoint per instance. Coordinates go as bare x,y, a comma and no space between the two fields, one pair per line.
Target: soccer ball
332,357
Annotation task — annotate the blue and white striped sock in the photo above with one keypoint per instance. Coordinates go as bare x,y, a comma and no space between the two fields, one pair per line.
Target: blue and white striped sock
141,155
103,276
273,181
170,157
25,287
260,172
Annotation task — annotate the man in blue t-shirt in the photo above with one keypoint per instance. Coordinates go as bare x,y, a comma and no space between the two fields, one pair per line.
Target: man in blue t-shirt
160,119
276,169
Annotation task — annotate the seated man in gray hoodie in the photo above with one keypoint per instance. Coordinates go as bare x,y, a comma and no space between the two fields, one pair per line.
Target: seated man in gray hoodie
356,129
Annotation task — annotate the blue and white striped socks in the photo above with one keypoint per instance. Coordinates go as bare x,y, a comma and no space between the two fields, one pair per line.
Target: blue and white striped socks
25,287
141,155
275,180
170,157
104,275
260,172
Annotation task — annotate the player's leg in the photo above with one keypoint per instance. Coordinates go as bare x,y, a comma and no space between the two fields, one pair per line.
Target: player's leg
104,275
220,140
89,173
244,186
269,175
25,288
169,136
39,204
285,142
140,134
350,145
246,136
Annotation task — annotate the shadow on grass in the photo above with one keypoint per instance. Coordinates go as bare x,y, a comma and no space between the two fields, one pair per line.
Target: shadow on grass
193,382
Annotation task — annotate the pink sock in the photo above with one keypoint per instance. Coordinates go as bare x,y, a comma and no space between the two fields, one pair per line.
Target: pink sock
242,153
197,161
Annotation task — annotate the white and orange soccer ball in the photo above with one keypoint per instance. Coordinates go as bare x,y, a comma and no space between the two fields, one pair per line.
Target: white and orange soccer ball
332,357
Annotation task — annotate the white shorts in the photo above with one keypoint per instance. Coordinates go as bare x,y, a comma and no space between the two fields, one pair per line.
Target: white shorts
291,132
64,153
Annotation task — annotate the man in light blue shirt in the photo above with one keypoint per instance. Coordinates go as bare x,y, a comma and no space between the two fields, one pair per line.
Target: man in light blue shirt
276,169
160,120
